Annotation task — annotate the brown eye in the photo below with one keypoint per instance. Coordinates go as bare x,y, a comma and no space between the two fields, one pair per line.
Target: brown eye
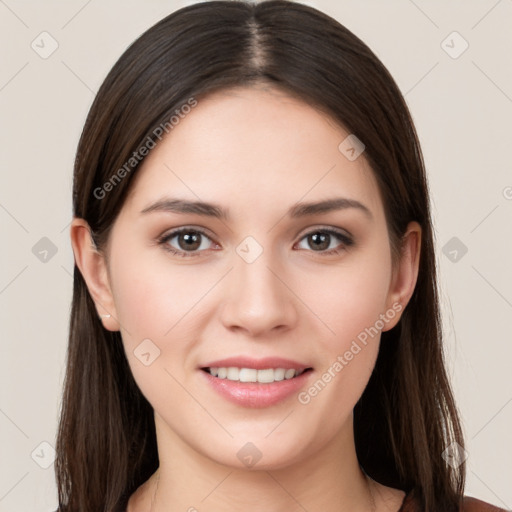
325,241
186,242
189,241
319,241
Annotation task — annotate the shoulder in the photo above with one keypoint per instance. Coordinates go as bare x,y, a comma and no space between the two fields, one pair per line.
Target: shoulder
469,504
474,505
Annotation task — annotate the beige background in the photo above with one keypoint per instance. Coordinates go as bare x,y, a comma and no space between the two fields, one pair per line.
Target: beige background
462,107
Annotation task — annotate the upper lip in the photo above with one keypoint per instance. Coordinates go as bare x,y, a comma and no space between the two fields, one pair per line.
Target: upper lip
257,364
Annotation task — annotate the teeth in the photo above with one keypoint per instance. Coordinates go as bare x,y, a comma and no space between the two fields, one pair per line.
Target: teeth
279,374
289,374
233,374
265,376
247,375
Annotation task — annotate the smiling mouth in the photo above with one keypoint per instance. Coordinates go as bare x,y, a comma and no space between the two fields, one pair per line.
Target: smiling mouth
264,376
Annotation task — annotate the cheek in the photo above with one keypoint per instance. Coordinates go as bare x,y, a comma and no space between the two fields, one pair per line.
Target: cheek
350,297
153,303
349,300
153,296
144,303
162,302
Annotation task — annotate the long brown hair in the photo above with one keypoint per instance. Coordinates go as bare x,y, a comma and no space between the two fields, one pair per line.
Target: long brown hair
406,417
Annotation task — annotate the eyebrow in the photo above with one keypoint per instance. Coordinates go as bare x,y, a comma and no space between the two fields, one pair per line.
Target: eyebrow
296,211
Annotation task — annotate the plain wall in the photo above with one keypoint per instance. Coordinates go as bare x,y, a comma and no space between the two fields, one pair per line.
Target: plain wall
462,108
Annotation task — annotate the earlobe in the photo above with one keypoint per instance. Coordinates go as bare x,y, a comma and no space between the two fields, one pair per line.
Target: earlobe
93,267
406,274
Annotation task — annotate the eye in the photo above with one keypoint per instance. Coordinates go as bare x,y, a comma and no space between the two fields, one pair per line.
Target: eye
186,240
325,241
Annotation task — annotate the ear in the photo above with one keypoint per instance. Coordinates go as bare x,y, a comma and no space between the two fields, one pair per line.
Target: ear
405,274
93,267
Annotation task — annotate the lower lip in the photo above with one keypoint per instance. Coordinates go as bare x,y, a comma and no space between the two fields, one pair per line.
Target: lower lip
254,394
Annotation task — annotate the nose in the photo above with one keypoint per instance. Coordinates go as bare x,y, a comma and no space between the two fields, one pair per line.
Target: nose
258,301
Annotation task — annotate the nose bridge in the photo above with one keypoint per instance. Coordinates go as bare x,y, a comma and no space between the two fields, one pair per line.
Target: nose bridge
257,300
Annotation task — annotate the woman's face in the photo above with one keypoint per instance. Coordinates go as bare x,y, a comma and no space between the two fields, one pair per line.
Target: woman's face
282,263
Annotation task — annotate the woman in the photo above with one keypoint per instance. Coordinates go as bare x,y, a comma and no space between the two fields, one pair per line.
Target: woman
255,320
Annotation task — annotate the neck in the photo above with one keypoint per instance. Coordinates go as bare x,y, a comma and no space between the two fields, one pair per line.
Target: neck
330,480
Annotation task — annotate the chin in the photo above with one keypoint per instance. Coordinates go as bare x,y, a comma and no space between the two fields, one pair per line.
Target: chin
261,453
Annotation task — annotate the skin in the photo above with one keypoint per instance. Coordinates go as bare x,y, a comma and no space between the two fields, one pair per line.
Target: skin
255,152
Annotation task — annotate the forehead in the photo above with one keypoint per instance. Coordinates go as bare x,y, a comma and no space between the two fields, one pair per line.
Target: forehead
254,148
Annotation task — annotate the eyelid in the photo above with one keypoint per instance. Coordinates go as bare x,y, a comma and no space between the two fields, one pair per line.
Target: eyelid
325,228
176,231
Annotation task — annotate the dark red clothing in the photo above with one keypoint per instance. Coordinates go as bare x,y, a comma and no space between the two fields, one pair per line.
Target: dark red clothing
469,505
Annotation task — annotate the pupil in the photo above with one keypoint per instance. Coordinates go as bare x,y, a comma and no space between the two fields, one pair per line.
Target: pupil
320,240
189,241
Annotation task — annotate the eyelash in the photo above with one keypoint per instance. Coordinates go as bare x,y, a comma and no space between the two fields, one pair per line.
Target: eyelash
163,240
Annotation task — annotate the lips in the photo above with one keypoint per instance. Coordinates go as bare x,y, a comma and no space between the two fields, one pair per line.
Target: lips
255,382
